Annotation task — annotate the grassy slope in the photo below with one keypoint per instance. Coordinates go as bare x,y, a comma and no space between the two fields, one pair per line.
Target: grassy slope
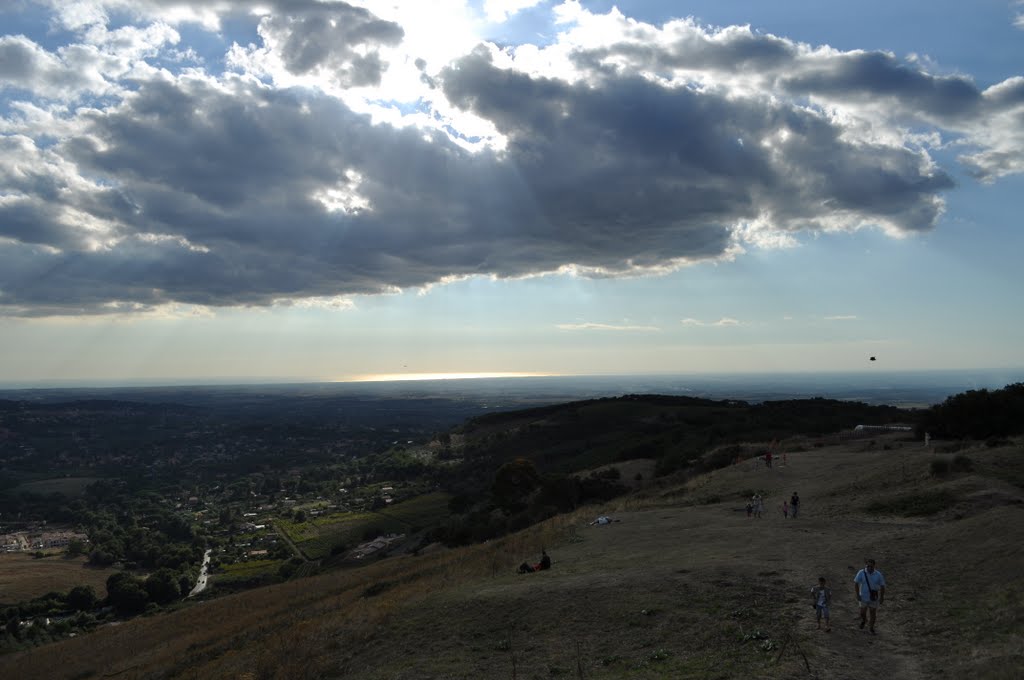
684,586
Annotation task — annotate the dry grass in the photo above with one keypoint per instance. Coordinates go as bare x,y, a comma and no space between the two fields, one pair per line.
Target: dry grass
677,589
23,577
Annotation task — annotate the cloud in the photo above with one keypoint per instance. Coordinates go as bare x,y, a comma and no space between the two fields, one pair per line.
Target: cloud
338,40
873,95
620,149
500,10
724,321
842,317
607,327
27,66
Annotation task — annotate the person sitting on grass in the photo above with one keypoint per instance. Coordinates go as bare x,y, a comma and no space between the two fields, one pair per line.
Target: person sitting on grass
543,565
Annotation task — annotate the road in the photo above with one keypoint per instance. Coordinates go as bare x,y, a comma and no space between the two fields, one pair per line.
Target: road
201,581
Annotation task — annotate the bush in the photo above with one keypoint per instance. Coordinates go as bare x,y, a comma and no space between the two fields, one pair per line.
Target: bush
126,594
962,463
977,414
914,505
940,467
82,598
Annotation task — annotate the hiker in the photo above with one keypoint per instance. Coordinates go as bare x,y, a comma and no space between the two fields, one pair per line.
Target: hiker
750,508
758,505
821,600
869,584
785,508
543,565
768,459
794,503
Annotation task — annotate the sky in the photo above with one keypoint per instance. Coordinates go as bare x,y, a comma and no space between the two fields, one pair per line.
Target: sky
221,190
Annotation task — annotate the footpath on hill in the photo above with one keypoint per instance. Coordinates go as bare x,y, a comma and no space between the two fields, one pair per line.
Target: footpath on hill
686,585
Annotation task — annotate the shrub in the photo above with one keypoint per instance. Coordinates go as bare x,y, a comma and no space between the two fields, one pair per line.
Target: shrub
940,467
82,598
962,463
915,504
378,588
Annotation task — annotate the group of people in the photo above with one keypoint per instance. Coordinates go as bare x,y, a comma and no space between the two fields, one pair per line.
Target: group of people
755,506
868,588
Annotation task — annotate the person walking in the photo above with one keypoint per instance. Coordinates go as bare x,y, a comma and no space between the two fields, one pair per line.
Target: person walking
785,509
869,585
758,505
821,600
794,504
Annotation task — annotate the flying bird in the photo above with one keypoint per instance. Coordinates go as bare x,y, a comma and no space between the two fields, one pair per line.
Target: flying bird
872,358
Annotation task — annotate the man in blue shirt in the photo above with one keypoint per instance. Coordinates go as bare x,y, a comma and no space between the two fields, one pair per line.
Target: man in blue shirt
869,585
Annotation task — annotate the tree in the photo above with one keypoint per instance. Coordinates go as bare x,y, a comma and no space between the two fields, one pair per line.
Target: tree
76,547
299,516
82,598
126,594
163,587
101,557
513,483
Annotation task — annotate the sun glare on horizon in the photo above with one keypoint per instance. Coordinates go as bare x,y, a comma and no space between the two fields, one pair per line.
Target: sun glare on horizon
388,377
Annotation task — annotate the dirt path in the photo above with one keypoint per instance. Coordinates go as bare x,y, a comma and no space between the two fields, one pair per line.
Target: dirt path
831,537
686,586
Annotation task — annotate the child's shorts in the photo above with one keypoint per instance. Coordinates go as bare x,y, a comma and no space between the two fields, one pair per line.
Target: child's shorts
822,612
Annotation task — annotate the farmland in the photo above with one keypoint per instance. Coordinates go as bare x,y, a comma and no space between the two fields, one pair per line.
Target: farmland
317,537
23,577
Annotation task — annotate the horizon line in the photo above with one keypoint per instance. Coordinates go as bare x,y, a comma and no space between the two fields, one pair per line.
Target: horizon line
237,381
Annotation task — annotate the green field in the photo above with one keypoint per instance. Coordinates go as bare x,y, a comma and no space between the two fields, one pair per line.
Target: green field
246,570
317,537
65,486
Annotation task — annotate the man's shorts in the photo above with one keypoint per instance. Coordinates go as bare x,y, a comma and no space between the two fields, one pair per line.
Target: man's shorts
870,604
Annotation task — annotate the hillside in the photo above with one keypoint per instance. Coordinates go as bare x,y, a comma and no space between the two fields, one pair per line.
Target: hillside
684,585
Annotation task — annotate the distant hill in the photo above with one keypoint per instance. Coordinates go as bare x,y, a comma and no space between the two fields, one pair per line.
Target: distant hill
675,430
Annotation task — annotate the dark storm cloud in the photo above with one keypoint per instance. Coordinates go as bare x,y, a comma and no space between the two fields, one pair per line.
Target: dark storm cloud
227,191
682,160
783,66
209,190
332,37
879,76
876,87
692,48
